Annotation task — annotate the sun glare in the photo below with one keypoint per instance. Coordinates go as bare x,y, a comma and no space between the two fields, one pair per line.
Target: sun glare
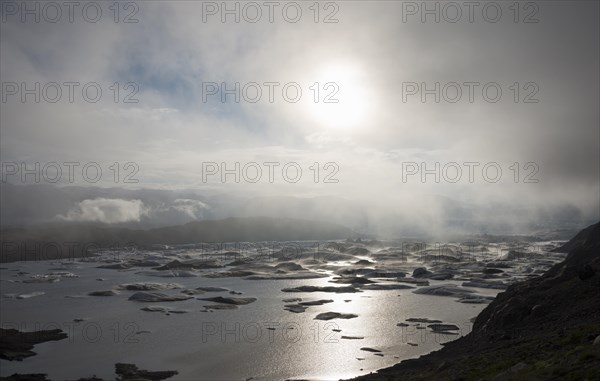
340,97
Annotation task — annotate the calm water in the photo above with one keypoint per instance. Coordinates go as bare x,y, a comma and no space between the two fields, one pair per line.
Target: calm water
219,345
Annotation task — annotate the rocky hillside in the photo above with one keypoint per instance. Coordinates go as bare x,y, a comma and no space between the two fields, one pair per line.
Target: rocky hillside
545,328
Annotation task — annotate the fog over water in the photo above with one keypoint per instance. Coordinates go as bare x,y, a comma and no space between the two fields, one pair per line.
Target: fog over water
283,190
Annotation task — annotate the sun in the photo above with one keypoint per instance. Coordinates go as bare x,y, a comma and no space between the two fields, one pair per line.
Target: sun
340,97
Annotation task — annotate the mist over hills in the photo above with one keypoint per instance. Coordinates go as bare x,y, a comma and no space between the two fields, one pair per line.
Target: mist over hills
26,205
20,243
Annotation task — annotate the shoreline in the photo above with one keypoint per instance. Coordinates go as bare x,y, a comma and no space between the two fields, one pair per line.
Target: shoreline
542,328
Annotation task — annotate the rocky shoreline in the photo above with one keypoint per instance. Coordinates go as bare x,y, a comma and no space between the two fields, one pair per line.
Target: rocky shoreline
545,328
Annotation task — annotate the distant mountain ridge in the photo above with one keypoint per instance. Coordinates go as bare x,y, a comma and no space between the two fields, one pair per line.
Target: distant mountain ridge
389,216
226,230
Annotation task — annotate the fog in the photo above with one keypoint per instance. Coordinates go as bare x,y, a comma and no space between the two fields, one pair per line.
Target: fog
396,155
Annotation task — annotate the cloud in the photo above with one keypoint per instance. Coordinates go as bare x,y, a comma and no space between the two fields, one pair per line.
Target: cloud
191,208
171,131
108,211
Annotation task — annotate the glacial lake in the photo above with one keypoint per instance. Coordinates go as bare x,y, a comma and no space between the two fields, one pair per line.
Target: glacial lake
259,340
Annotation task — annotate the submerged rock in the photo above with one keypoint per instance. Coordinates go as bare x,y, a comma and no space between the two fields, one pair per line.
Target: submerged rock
417,282
196,265
423,320
117,266
386,286
23,296
230,300
168,273
367,349
295,308
162,309
284,276
334,315
42,279
363,262
316,302
440,276
476,299
351,280
103,293
420,272
230,274
144,296
212,289
443,327
492,271
385,274
485,284
192,292
338,290
443,290
148,286
289,266
210,307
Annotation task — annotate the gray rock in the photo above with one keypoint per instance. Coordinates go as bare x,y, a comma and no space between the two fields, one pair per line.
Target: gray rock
443,327
149,286
334,315
295,308
338,290
212,289
230,300
420,271
423,320
367,349
144,296
104,293
443,290
386,286
316,302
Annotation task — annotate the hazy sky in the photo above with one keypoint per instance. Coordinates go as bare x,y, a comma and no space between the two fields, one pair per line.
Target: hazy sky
377,59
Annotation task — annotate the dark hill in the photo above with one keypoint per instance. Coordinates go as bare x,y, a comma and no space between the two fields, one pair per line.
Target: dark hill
540,329
36,243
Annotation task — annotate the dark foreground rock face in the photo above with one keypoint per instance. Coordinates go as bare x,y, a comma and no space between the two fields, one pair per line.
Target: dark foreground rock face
540,329
17,345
